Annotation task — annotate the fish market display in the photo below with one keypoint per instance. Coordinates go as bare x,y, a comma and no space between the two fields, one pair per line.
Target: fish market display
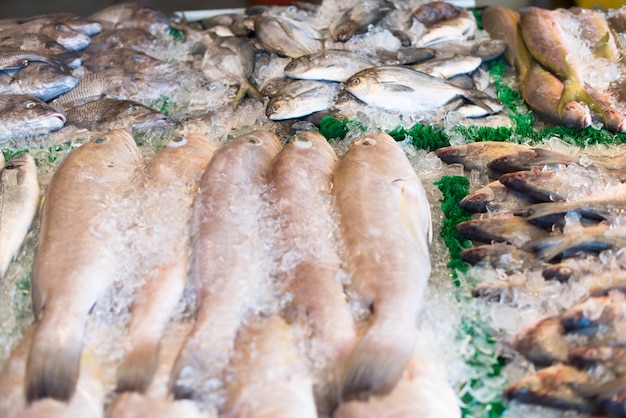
239,214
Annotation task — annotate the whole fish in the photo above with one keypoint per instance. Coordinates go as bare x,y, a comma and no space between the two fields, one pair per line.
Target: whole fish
19,200
434,12
503,23
132,38
558,386
287,37
543,343
448,66
41,80
74,263
300,183
225,215
174,175
476,155
23,116
44,45
231,59
512,229
57,30
376,190
485,48
495,196
134,15
542,90
552,47
105,114
596,30
399,88
459,28
118,84
530,159
330,65
405,55
128,59
301,98
268,375
423,392
357,19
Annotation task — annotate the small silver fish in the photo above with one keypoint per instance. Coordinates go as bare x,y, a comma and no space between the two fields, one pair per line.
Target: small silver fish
301,98
330,65
357,19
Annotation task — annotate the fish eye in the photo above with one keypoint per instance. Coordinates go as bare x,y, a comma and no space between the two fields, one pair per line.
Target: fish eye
132,108
60,26
253,140
49,45
100,140
137,77
368,141
355,81
177,141
137,58
30,104
275,108
301,142
177,138
44,69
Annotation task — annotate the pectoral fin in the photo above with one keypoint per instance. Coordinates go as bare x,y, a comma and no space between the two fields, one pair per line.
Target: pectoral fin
414,207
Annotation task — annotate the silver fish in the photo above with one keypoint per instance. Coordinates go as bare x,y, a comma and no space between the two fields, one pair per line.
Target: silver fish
404,89
19,200
23,116
500,255
330,65
287,37
459,28
448,66
376,190
357,19
300,98
74,264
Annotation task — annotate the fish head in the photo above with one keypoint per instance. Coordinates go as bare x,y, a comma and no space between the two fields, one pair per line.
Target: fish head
297,66
147,64
361,82
32,114
315,140
44,81
280,108
145,86
113,149
270,88
135,115
260,141
81,24
63,34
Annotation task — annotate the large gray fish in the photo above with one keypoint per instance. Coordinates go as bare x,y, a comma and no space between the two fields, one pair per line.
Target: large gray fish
105,114
404,89
300,183
74,263
44,45
19,200
231,59
57,30
225,216
134,15
559,386
173,175
287,37
512,229
301,98
23,116
357,19
330,65
118,84
495,196
376,190
128,59
41,80
269,376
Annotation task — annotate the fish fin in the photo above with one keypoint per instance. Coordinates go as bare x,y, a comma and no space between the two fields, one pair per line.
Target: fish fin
540,210
53,362
378,361
136,371
603,47
397,88
574,92
415,208
241,93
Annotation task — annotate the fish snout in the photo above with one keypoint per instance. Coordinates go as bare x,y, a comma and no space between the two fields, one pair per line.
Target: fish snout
74,41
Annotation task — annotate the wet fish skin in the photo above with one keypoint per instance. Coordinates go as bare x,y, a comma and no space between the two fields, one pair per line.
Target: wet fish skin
287,37
499,255
612,358
73,265
405,55
512,229
530,159
560,271
593,312
357,19
329,65
434,12
495,196
105,114
224,215
375,189
75,22
543,343
558,386
542,90
301,98
132,38
132,16
19,200
59,31
609,208
42,80
461,27
596,30
14,59
486,48
128,59
43,44
173,173
272,87
448,66
23,116
545,186
399,88
477,155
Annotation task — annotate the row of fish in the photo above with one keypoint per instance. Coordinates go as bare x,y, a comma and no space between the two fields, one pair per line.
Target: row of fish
557,215
259,234
567,62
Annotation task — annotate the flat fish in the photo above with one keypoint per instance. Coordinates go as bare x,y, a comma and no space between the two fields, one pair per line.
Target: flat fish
19,201
173,175
74,263
225,268
385,224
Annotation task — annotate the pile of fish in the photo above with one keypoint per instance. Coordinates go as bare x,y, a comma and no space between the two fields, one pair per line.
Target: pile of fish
555,217
568,62
408,61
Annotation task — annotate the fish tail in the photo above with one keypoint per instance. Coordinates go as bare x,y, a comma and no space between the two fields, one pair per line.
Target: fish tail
244,89
481,99
53,362
378,360
138,367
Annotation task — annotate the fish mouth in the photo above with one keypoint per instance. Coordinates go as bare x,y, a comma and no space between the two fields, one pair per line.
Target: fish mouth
90,29
59,116
75,41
